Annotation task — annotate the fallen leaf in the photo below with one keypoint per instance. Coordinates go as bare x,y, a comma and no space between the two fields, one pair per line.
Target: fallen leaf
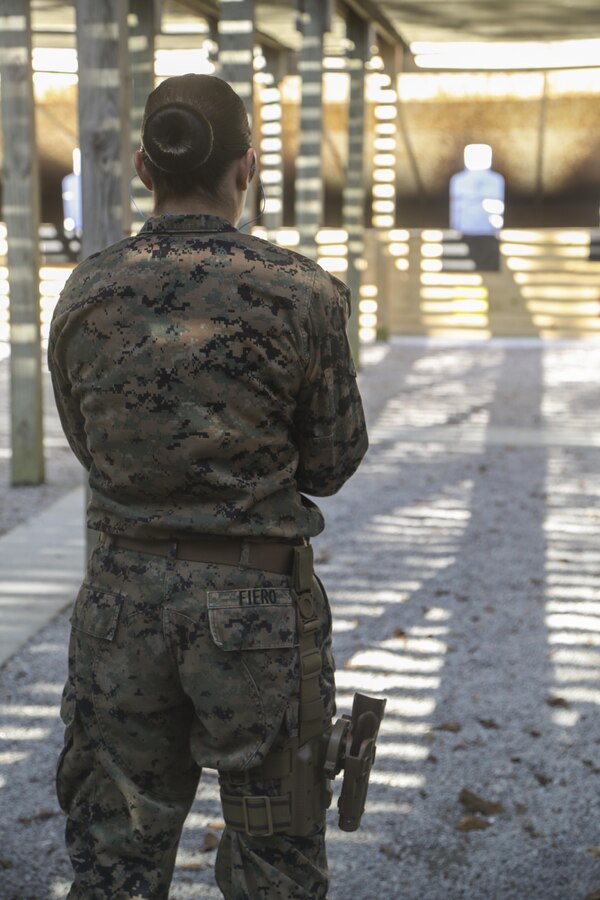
594,851
591,765
558,702
595,895
531,830
6,863
216,826
389,851
488,723
454,727
543,779
40,816
210,842
399,633
432,758
534,733
191,866
472,823
475,698
489,608
476,804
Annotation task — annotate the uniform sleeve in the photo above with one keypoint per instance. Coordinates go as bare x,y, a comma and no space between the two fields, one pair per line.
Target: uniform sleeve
71,419
330,422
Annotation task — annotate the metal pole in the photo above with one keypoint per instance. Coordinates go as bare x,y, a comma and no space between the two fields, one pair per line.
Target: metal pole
21,209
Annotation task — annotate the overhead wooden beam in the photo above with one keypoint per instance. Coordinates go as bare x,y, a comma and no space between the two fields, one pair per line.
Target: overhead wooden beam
372,12
21,210
208,9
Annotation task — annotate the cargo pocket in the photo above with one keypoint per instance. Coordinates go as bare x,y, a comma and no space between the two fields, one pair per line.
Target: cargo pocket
74,771
252,619
96,612
256,635
94,622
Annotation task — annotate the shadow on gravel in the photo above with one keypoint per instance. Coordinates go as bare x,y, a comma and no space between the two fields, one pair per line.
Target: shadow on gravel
463,580
450,555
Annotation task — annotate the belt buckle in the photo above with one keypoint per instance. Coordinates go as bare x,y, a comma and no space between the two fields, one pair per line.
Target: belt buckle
254,832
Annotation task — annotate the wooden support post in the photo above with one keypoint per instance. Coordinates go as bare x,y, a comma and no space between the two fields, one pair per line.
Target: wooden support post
309,165
104,123
142,24
104,126
21,209
271,145
236,66
358,33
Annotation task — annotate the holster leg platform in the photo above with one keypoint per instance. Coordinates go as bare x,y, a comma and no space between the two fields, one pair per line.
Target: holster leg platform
304,769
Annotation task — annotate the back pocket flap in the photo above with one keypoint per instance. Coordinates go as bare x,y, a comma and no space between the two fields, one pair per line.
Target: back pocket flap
252,618
96,612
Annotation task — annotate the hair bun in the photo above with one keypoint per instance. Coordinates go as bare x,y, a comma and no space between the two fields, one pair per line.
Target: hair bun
177,138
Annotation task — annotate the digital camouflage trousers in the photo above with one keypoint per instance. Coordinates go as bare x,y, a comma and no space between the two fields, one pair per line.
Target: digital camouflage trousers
176,665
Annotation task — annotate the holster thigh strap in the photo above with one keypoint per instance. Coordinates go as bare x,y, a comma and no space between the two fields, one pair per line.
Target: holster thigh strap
257,816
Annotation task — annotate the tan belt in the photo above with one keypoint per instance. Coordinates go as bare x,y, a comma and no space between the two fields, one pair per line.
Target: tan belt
270,556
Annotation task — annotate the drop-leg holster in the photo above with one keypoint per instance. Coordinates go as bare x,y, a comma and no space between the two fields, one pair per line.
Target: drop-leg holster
308,763
304,793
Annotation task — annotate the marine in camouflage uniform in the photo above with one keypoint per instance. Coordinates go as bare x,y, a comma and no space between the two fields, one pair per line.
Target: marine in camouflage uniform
204,380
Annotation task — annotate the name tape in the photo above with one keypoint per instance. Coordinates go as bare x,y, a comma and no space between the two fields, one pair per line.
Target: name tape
254,596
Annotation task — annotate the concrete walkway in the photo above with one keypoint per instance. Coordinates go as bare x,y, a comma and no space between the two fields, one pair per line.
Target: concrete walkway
462,564
41,566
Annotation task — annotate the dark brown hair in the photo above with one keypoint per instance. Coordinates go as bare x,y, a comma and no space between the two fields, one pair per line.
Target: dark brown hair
194,127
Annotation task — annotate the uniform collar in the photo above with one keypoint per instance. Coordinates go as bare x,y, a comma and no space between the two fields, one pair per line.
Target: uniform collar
186,223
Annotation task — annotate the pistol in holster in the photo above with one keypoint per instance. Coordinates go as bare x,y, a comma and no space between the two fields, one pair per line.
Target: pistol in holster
351,747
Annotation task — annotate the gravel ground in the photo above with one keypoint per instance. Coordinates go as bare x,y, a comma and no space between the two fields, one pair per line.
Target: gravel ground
461,564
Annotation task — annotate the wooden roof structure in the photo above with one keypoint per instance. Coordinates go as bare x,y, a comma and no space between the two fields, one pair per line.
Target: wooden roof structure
544,126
